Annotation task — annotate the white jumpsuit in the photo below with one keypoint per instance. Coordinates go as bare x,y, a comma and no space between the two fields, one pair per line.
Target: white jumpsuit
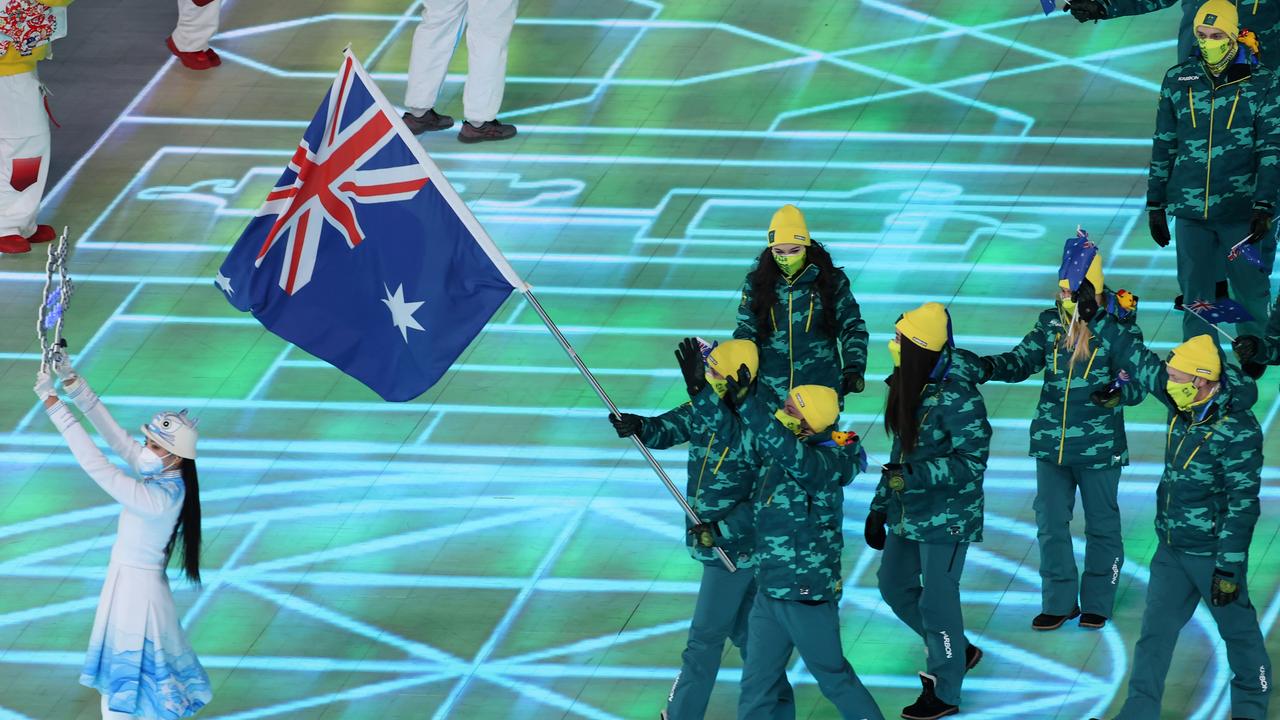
489,25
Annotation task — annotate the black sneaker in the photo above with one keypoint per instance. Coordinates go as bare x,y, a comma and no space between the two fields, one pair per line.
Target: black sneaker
928,706
1092,620
972,656
1045,621
492,130
428,121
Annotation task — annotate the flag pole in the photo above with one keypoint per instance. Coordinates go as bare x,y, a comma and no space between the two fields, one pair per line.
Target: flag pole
604,397
1224,333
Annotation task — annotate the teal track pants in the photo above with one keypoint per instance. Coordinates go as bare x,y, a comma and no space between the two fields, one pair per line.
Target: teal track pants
921,584
1202,261
1061,587
1178,583
720,613
779,626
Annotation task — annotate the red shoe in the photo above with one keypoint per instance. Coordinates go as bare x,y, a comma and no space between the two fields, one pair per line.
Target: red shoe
191,60
14,244
212,56
43,234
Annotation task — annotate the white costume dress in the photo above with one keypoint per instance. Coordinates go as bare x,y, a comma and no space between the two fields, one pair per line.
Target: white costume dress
488,30
138,658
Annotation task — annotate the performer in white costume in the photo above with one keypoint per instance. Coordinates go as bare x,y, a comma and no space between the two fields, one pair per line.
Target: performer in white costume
139,658
489,25
27,31
197,22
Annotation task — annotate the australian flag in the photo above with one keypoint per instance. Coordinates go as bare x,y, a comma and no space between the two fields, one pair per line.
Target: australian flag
1249,252
1077,254
363,255
1048,6
1222,311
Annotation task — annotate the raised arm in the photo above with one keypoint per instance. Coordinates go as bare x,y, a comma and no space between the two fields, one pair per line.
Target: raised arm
1023,361
87,401
1130,354
1125,8
149,499
815,468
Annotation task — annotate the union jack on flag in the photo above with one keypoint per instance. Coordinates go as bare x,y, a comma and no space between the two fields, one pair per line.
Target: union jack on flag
363,254
1222,311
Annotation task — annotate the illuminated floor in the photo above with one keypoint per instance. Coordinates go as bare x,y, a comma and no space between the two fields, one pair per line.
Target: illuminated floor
491,550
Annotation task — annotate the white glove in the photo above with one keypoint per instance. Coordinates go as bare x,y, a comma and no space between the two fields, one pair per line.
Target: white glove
62,367
44,385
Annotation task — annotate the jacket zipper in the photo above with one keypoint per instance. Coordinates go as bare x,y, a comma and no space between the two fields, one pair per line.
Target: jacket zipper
1208,166
791,361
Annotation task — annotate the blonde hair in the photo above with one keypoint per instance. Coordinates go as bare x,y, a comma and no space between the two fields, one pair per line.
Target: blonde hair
1077,340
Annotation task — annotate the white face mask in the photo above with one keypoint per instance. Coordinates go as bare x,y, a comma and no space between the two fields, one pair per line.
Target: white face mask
148,463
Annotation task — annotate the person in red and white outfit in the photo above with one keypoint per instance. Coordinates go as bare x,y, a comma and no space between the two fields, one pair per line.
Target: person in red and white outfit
27,31
197,22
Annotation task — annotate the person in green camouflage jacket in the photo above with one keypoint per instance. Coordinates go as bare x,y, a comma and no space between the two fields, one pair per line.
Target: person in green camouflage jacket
1206,509
798,308
1077,443
1215,166
799,510
1260,16
723,470
931,497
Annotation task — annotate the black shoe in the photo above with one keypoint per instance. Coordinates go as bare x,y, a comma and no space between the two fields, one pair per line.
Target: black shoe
428,121
492,130
928,706
972,656
1093,621
1253,369
1045,621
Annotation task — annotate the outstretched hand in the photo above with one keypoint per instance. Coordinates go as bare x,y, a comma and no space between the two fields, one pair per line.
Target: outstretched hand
1086,10
737,386
692,366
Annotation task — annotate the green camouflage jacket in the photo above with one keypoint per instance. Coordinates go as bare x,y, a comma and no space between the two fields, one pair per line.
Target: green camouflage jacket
1068,428
1269,348
795,350
1207,499
799,508
723,471
1259,16
1214,152
942,498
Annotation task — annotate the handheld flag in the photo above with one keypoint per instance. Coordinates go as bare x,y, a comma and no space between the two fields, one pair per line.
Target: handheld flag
363,255
1244,249
1077,255
1048,6
1222,311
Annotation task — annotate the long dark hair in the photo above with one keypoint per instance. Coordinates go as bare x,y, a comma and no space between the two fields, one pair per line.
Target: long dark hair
764,290
187,528
906,385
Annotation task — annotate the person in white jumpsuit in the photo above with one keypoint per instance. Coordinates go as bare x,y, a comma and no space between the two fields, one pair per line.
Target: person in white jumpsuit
27,32
197,22
139,659
489,25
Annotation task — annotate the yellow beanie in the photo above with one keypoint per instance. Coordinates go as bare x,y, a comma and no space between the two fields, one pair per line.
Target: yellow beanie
925,326
1220,14
818,404
1199,357
1093,275
728,356
788,227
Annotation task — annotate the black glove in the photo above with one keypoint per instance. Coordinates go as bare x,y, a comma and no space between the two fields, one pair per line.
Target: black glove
626,424
1259,225
705,534
734,387
1086,301
692,366
986,371
1246,347
1159,225
874,533
1108,397
852,382
1086,10
1225,588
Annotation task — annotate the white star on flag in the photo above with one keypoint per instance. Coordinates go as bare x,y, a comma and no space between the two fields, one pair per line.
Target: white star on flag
224,282
402,312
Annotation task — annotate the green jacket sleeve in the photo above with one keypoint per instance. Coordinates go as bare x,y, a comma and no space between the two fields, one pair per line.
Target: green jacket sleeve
1131,393
1125,8
1024,360
1242,478
668,429
1267,149
1164,148
813,467
969,435
1270,346
1145,368
853,330
746,329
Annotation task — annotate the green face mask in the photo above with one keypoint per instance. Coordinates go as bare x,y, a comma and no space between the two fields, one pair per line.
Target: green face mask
790,264
1068,306
895,352
1183,394
720,385
1214,52
791,423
